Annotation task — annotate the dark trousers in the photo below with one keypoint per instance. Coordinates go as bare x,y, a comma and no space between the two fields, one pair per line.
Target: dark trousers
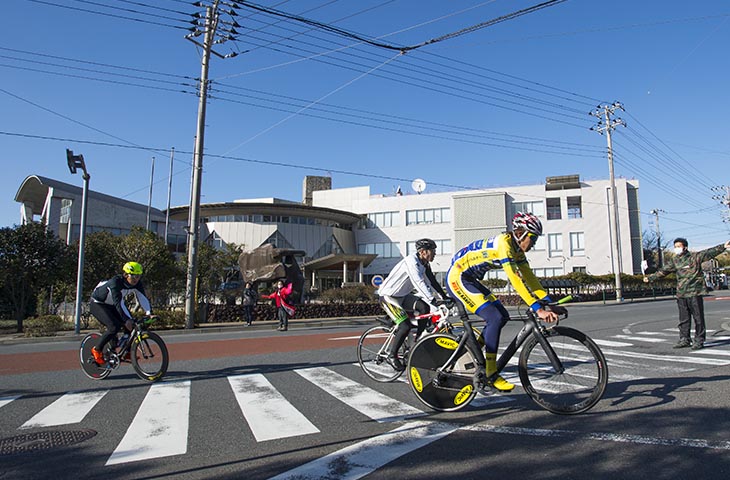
283,317
248,311
108,315
691,307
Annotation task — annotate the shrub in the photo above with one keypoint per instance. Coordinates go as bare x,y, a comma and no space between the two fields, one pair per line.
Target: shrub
169,319
355,294
43,326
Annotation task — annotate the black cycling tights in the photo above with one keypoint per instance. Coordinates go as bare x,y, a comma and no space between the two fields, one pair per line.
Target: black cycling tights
111,319
410,303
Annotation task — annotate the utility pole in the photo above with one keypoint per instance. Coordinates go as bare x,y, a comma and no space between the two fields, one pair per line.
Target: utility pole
149,200
660,254
603,113
209,39
169,193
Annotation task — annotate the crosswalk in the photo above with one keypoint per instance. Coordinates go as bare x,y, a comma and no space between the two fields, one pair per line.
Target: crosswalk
161,425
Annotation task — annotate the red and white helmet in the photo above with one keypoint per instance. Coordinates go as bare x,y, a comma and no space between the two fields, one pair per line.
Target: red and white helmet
528,222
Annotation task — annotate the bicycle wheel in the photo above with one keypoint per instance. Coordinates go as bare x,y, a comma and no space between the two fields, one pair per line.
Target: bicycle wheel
442,390
88,365
579,386
149,356
372,349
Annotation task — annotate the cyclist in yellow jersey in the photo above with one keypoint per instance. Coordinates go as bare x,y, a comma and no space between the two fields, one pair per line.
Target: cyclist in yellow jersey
505,251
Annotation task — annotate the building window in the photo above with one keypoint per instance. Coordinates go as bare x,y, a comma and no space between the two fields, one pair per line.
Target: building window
553,209
574,208
428,216
539,244
66,210
382,250
577,245
536,208
443,247
555,244
382,220
548,272
217,242
580,269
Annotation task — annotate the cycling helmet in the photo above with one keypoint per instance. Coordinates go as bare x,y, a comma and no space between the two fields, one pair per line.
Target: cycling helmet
132,268
425,244
528,222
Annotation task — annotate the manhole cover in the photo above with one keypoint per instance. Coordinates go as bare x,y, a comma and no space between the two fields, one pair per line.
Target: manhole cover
43,441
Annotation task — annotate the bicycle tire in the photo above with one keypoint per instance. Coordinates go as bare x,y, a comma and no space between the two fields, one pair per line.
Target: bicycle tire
582,383
372,350
88,365
149,356
443,391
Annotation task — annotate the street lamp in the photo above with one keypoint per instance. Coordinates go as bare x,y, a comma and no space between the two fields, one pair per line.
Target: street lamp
75,162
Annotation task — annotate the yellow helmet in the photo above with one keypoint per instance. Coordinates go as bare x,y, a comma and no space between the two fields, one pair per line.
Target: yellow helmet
132,268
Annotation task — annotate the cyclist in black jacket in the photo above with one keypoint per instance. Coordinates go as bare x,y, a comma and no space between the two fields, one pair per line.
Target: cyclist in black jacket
107,305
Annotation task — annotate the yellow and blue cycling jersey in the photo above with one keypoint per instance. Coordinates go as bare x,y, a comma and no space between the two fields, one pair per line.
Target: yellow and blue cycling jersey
470,264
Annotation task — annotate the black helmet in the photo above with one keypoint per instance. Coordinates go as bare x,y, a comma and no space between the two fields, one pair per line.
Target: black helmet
425,244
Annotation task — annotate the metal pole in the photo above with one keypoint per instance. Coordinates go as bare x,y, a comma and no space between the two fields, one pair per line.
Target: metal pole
149,200
169,192
660,256
82,239
190,291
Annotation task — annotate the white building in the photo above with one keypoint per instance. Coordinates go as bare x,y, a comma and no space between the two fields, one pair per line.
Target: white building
576,220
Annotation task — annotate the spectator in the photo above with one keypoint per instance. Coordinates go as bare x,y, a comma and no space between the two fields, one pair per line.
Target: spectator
250,296
690,288
283,309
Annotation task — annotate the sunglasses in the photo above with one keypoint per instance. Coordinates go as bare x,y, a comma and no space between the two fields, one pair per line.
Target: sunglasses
530,235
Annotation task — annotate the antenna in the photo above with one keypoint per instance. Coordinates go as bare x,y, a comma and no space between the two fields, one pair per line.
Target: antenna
418,185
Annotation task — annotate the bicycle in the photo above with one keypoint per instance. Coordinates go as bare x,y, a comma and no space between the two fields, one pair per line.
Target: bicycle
560,368
147,353
374,344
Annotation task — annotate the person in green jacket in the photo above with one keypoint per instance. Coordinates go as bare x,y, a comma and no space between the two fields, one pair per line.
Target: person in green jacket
690,288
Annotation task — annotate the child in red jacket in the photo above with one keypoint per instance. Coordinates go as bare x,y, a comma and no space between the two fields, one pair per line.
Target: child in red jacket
283,309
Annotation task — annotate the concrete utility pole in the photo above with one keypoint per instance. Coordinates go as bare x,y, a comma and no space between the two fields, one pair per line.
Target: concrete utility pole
149,201
660,254
723,199
209,39
603,113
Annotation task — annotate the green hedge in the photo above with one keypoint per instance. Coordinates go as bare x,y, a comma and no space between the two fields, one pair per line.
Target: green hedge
43,326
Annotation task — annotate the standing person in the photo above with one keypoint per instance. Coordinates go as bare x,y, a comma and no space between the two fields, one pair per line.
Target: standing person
505,251
107,305
690,288
283,309
411,273
250,296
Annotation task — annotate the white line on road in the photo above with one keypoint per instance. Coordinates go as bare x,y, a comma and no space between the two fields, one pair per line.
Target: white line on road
365,400
268,413
609,343
70,408
5,400
611,437
363,458
160,428
640,339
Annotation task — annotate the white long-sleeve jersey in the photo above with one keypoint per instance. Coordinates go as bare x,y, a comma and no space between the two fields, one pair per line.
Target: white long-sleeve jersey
409,274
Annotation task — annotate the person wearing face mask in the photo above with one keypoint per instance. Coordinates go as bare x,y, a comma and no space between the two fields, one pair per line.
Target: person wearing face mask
690,288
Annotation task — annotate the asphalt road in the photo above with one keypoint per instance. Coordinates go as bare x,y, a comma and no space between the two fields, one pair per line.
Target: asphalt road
258,404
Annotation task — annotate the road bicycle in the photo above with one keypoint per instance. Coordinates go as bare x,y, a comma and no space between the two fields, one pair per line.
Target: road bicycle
145,349
374,344
560,368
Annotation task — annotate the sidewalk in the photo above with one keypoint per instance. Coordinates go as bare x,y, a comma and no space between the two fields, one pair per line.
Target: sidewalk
299,324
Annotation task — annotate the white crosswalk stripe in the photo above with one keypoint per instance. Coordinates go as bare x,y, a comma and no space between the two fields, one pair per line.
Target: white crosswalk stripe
640,339
160,428
609,343
365,400
5,400
268,413
70,408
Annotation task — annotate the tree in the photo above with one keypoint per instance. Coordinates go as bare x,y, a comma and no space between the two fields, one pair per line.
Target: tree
32,258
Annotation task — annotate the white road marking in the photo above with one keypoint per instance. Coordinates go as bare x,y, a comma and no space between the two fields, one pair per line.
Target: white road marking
711,351
160,428
640,339
609,343
5,400
268,413
610,437
365,400
363,458
70,408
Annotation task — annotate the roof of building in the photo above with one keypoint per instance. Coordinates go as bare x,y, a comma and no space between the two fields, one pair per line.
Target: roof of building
268,208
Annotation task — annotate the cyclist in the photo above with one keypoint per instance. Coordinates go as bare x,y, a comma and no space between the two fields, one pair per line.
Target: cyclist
396,297
107,305
505,251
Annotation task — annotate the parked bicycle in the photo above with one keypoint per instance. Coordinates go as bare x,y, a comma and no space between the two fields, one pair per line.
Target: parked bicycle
375,343
144,349
560,368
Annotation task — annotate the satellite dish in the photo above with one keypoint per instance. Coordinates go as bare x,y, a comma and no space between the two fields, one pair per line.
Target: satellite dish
418,185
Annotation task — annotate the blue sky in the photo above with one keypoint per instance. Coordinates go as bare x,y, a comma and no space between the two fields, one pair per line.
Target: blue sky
502,105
